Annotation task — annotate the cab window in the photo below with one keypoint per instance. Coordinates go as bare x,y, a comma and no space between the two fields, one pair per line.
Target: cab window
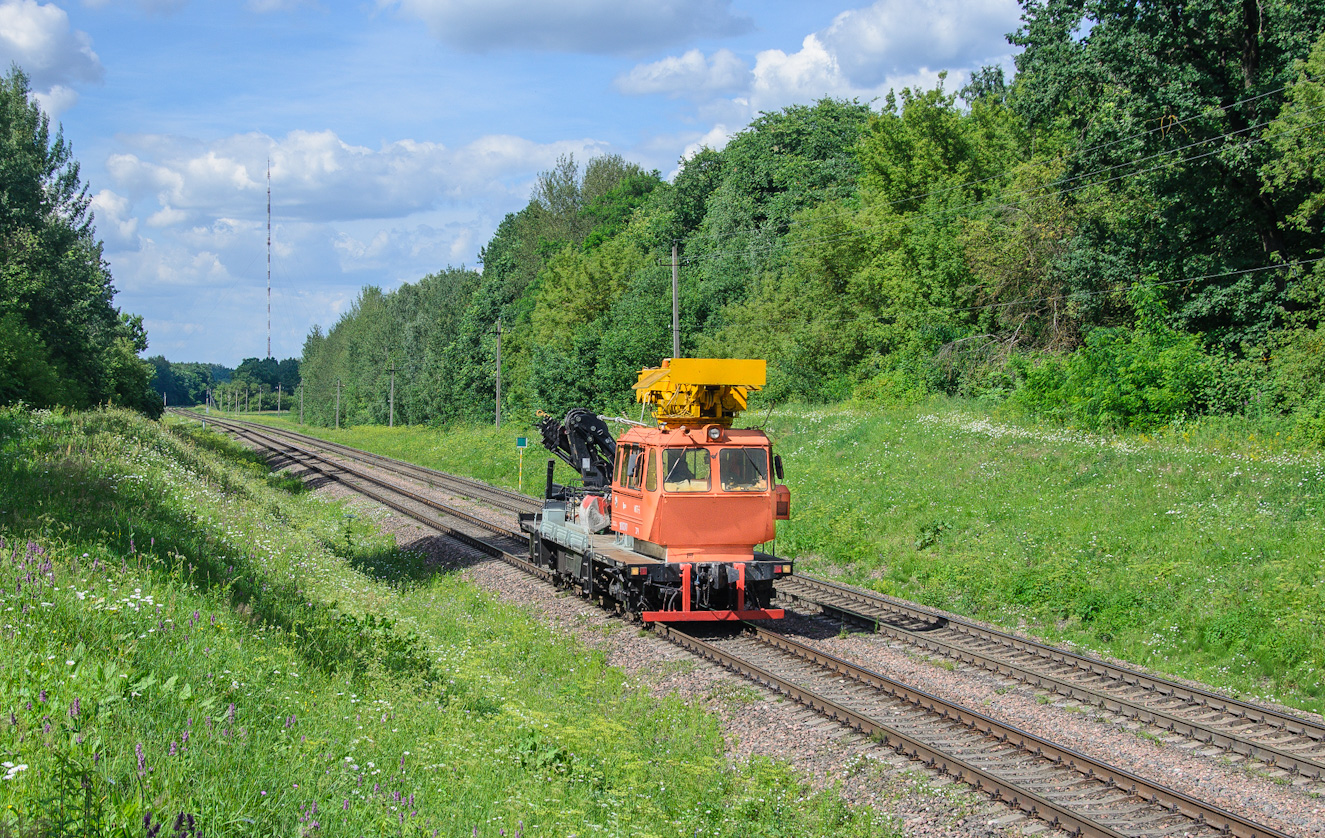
743,469
650,473
686,470
630,468
622,455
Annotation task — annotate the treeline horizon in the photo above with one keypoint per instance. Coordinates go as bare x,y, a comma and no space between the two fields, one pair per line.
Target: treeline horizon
259,383
1126,232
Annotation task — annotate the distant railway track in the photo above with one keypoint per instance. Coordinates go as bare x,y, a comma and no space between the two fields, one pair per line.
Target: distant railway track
477,489
1061,786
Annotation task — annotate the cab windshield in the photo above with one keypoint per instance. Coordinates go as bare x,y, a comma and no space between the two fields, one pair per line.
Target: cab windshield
743,469
686,470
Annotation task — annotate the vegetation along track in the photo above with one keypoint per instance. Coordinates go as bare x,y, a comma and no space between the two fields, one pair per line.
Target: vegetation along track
1292,748
1058,784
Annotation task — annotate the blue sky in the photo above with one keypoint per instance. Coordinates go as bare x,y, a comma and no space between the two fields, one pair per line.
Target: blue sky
400,132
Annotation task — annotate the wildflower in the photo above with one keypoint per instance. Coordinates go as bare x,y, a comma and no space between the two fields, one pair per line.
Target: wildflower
12,770
142,760
75,708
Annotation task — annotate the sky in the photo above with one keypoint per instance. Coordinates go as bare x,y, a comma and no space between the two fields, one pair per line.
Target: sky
400,132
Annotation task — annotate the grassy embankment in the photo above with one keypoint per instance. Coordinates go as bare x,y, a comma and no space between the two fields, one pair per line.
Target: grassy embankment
189,638
1200,552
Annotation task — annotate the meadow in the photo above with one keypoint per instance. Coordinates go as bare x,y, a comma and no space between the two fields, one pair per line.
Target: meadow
192,645
1198,551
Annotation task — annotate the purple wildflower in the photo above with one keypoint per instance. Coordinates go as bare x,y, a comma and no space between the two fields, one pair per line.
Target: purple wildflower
142,760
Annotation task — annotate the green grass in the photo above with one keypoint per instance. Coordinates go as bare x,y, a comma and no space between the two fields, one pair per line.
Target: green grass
1199,552
185,638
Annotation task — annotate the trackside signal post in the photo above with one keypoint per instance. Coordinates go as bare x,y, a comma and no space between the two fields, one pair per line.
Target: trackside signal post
521,443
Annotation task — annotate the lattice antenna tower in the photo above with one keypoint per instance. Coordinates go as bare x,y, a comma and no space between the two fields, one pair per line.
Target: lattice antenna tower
268,257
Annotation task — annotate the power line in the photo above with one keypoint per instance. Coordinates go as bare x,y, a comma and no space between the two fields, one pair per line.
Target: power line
1163,127
1031,193
1049,298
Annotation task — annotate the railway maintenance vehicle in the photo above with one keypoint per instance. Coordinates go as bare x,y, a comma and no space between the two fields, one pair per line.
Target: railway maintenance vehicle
665,521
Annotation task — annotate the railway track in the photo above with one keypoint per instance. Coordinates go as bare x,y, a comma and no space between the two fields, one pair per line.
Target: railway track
1063,787
477,489
1291,748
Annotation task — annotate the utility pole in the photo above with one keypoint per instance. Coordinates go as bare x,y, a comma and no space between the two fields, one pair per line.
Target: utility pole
499,374
338,404
246,395
676,308
279,384
163,398
301,401
391,420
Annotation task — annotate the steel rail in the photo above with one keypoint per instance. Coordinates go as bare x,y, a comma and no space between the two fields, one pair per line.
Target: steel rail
285,447
494,495
875,609
1055,813
482,546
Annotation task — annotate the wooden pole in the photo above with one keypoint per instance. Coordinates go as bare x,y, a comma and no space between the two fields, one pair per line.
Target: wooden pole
498,374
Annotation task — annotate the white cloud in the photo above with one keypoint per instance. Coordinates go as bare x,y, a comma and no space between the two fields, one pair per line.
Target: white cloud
690,74
56,101
715,138
862,54
803,76
38,38
318,176
586,26
115,224
895,37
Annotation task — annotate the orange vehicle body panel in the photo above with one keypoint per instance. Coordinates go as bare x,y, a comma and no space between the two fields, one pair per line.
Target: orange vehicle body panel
705,525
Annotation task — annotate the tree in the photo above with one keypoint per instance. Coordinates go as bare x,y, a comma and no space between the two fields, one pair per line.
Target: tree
1160,108
54,283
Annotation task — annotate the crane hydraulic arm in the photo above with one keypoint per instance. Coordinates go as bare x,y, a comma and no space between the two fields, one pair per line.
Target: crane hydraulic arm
584,442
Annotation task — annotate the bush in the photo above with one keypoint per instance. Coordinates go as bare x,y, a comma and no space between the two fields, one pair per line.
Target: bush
1135,378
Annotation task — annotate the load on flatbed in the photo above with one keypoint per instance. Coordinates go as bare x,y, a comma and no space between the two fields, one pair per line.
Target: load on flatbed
666,519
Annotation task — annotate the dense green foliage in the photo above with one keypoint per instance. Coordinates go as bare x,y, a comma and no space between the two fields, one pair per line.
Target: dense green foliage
62,341
188,383
1138,211
193,647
